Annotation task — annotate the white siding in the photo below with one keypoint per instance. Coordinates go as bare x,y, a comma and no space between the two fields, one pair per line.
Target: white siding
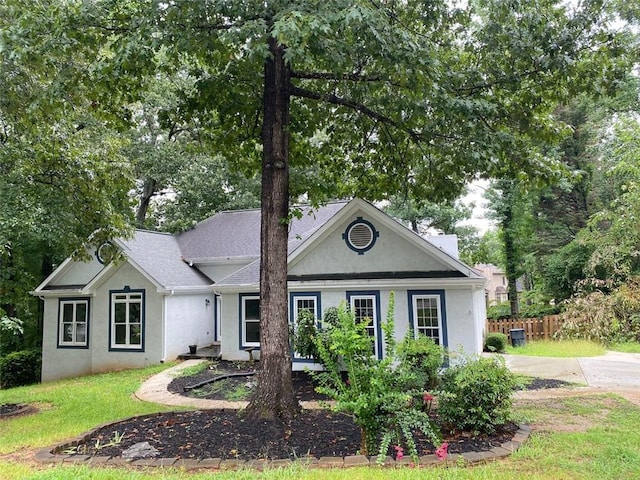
79,273
66,362
191,323
391,253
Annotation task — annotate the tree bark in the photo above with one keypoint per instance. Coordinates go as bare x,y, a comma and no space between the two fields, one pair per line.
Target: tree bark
148,190
274,397
510,249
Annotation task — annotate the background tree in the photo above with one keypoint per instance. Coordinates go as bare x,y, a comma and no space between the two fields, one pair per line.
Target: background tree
510,207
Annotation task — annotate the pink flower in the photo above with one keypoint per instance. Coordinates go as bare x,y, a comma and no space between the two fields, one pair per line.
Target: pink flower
441,451
399,452
427,397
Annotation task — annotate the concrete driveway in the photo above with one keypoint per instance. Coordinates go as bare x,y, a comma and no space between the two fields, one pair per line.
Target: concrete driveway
611,370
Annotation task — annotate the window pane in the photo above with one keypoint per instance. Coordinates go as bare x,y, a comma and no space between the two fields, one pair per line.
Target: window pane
67,312
427,318
121,334
136,335
67,335
81,312
308,304
363,308
120,312
252,332
134,313
251,308
81,333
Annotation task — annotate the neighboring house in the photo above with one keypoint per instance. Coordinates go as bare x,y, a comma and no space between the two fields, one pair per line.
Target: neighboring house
497,284
202,286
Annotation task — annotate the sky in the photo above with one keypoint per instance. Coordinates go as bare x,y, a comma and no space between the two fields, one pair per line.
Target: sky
478,217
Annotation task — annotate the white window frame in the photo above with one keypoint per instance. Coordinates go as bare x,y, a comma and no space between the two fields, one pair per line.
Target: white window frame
128,298
295,308
74,324
372,327
245,321
427,330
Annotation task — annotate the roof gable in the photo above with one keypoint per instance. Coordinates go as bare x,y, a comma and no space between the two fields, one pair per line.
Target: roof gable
397,249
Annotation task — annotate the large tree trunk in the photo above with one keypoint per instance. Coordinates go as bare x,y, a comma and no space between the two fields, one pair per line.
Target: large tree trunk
274,396
510,249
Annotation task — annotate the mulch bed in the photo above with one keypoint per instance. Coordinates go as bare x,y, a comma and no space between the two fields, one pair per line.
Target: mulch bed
226,434
8,410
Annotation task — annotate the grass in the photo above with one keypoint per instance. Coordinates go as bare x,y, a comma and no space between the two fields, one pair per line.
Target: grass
626,347
564,349
192,370
577,438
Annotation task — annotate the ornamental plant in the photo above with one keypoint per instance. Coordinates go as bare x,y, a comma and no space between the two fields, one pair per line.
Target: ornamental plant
495,342
379,394
304,336
475,395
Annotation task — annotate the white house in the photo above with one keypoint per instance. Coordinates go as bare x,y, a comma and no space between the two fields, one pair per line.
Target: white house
202,286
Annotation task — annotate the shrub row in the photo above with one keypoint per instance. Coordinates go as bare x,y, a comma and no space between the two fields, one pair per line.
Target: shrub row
20,368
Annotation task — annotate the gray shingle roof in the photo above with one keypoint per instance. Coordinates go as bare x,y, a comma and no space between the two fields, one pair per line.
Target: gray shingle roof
237,233
158,254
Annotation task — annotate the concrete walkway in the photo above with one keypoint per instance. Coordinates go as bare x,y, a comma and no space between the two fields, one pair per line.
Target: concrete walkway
613,372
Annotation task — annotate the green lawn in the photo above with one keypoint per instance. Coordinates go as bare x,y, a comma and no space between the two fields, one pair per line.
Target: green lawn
570,348
627,347
565,348
601,441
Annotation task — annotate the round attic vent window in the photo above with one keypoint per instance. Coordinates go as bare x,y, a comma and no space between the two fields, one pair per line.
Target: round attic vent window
360,236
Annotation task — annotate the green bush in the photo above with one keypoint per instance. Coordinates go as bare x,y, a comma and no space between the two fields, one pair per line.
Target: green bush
20,368
422,357
476,395
305,334
379,394
495,342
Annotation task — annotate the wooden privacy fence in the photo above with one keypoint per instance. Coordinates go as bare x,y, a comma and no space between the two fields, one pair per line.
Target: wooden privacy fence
534,328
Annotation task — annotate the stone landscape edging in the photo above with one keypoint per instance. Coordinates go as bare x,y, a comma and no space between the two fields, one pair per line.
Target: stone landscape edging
55,455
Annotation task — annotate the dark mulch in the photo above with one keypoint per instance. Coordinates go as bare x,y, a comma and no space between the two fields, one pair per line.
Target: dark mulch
544,383
227,434
223,389
10,408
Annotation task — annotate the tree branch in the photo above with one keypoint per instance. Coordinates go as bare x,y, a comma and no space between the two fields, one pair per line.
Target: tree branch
354,77
333,99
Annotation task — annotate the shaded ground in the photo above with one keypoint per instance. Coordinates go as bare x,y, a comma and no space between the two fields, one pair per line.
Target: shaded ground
226,434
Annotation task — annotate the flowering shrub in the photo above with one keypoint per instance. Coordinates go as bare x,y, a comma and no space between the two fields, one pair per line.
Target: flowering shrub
442,451
378,393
